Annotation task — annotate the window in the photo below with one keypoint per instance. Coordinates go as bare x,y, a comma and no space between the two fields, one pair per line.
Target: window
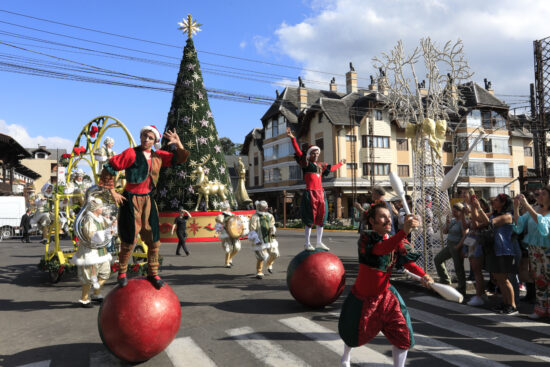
376,169
274,129
363,141
268,132
275,151
447,147
276,175
492,120
255,160
351,138
484,169
379,141
351,165
528,151
511,172
41,155
402,144
268,154
256,180
378,115
464,144
295,173
473,119
282,124
320,144
403,170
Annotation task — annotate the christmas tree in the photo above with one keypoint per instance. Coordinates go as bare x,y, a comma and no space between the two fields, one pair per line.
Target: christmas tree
190,115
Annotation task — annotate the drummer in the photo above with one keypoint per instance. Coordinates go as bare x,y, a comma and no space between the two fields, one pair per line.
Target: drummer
228,236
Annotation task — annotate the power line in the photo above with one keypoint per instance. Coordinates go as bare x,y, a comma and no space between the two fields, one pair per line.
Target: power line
168,45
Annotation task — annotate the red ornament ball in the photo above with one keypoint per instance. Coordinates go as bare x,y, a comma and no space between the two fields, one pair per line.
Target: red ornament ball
138,321
316,278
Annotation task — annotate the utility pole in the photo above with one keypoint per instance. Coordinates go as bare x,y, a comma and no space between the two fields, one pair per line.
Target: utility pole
541,49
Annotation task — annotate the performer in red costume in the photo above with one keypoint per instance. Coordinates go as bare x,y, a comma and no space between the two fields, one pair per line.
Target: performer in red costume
313,208
373,305
138,213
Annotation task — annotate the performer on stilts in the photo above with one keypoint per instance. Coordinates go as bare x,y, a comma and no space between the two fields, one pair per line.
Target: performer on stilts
313,207
373,305
230,245
138,213
92,258
262,237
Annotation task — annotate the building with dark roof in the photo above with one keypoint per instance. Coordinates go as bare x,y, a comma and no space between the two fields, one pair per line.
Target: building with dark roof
356,125
44,161
14,177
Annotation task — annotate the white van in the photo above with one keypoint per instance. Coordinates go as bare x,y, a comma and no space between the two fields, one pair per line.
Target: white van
12,209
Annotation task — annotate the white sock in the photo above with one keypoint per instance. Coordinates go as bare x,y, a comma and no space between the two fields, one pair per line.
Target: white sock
319,234
399,356
346,357
308,233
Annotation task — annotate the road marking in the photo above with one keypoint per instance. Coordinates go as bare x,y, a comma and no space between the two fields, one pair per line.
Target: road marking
502,320
104,359
517,345
332,341
37,364
271,354
185,352
451,354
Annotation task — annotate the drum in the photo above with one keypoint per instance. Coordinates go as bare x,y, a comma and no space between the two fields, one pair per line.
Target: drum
234,226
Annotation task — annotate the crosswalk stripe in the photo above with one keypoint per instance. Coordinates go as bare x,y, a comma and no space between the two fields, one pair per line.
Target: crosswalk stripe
271,354
451,354
332,341
517,345
185,352
502,320
37,364
104,359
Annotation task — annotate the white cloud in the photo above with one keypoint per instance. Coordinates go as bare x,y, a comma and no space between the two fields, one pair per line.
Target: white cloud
242,44
498,36
20,134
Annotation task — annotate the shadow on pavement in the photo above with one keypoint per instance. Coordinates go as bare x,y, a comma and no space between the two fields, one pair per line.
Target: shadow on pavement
68,355
25,306
262,306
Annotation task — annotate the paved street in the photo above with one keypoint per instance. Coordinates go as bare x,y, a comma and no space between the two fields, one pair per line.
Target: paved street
229,318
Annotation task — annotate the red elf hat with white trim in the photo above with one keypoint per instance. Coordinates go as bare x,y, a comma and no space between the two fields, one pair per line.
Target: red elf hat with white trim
154,130
311,149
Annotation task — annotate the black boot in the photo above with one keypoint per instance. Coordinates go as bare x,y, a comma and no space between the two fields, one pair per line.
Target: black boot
122,281
156,281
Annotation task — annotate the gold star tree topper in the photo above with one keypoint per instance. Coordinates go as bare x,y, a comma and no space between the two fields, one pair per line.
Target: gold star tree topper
190,26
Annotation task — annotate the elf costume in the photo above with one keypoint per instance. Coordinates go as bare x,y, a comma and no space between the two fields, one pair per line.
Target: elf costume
262,237
138,215
313,207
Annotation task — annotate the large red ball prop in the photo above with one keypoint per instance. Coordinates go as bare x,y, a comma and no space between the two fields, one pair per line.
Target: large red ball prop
316,278
139,321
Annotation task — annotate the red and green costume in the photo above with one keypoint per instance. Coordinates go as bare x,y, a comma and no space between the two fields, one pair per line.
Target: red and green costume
138,215
313,207
373,305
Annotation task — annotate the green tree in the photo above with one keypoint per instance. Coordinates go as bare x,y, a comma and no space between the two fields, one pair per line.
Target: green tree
230,148
190,115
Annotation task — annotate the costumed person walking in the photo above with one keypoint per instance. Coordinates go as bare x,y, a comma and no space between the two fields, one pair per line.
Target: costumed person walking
230,245
92,258
44,207
180,225
373,305
313,207
138,213
262,235
26,226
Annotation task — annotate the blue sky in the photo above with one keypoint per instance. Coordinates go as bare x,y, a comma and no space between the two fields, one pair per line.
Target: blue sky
321,35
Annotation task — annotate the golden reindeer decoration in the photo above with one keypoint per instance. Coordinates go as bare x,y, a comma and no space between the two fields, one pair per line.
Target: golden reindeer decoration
204,187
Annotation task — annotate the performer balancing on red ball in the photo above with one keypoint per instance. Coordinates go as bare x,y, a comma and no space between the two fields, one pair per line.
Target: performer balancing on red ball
313,208
138,214
373,305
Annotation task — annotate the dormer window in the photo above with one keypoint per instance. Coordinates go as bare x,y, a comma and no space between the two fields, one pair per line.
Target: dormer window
40,155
